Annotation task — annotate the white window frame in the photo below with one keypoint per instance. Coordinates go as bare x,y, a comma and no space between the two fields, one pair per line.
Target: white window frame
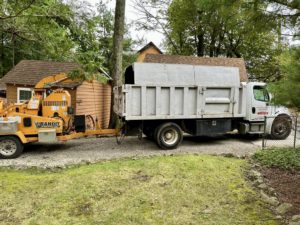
22,89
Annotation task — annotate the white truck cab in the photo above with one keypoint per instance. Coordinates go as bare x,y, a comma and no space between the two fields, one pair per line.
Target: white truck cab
260,109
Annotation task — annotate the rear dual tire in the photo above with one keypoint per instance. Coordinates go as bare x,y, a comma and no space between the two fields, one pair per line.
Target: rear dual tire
168,136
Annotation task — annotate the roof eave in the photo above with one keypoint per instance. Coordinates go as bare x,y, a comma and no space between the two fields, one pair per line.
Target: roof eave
150,44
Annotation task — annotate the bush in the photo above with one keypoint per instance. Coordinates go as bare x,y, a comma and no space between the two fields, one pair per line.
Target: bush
282,158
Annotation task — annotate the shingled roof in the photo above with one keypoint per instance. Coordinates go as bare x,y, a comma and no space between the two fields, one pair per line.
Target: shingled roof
192,60
149,45
29,72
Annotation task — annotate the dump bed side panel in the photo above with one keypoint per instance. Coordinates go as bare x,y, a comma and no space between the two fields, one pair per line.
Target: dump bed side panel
140,102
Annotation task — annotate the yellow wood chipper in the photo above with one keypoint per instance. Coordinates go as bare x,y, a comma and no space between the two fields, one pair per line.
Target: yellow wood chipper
46,117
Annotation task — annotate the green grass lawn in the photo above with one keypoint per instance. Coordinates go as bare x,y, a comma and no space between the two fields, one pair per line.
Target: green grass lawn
161,190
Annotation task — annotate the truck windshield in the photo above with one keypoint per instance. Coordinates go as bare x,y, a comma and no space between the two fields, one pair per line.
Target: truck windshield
261,93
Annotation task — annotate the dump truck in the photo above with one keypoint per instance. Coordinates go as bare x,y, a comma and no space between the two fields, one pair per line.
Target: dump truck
164,101
47,117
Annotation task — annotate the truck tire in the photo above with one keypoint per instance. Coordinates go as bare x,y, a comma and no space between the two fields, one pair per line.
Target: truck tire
10,147
168,136
281,128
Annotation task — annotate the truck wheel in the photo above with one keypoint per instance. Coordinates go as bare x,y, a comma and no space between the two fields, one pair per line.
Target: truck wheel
168,136
10,147
281,128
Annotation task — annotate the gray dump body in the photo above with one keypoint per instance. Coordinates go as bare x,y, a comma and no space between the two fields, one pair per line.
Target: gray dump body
170,91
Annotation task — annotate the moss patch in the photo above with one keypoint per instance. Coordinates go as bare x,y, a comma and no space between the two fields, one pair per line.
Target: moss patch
161,190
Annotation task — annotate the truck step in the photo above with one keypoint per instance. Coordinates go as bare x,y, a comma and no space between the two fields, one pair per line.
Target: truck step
258,132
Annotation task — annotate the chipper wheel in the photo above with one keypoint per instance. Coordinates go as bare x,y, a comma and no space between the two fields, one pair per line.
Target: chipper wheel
10,147
90,122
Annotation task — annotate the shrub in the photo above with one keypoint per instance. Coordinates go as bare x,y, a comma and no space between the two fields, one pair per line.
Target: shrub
283,158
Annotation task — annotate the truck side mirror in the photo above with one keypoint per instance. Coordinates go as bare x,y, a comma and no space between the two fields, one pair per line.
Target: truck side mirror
270,96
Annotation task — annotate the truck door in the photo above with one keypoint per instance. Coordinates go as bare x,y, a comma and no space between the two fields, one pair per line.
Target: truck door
259,103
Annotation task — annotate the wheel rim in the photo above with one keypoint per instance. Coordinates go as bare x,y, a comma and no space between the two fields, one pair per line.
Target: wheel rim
170,136
8,147
90,124
281,128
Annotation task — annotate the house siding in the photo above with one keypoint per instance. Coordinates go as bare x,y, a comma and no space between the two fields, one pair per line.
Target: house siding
72,92
143,54
94,98
12,92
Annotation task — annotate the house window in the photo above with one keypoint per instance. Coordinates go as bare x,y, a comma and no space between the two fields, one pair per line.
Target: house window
24,94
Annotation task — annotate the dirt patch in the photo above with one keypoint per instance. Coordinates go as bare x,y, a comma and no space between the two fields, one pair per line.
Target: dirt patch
83,208
286,184
9,217
140,176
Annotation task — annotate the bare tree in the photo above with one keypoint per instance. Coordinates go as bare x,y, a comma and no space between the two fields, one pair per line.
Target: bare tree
152,16
117,53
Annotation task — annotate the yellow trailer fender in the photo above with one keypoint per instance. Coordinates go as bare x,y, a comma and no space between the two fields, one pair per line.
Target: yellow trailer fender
21,136
18,134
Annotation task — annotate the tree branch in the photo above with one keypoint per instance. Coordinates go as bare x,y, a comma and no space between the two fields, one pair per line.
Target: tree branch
148,15
18,13
291,5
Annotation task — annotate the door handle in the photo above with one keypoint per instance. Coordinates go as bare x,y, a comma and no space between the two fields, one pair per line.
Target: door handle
253,110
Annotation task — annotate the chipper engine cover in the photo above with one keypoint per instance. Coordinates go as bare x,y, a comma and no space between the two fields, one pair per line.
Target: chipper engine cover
56,105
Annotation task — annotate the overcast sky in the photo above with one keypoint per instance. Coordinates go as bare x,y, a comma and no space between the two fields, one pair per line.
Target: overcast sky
131,15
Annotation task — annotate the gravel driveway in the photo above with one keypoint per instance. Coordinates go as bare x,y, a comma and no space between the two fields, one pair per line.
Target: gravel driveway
96,149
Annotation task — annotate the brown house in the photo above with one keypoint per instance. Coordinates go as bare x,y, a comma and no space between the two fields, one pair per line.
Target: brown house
88,97
150,48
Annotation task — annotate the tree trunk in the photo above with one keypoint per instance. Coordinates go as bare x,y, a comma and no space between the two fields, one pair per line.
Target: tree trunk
212,47
200,45
221,40
117,53
13,41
